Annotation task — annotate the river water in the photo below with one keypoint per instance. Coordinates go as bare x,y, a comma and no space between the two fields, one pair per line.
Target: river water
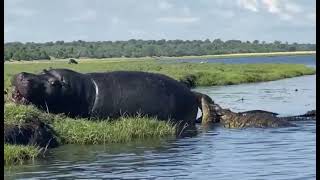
215,153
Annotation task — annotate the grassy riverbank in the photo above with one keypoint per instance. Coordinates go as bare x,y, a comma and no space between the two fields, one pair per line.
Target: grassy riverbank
80,131
203,57
18,154
204,74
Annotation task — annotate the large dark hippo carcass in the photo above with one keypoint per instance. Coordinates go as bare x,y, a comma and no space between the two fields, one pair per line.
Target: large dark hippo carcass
107,95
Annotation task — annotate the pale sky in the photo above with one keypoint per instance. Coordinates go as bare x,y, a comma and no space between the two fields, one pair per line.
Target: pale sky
103,20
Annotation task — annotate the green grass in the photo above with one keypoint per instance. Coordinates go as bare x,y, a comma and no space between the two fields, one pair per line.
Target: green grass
85,131
201,57
18,114
206,74
82,131
124,129
18,154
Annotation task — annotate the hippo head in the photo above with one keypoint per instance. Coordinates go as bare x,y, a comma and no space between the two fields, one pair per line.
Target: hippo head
38,89
55,90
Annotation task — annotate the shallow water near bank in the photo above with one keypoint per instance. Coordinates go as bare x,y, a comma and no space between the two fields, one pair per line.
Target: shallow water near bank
292,96
215,153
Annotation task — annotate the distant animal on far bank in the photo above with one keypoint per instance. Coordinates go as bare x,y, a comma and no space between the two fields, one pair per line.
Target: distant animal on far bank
72,61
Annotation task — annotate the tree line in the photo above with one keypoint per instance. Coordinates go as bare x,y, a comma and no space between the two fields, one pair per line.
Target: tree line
142,48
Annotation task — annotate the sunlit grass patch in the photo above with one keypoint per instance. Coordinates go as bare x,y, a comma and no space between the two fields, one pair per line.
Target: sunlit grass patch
18,154
18,114
80,131
208,74
124,129
85,131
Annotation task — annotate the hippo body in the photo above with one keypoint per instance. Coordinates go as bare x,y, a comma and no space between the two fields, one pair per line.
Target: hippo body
107,95
146,93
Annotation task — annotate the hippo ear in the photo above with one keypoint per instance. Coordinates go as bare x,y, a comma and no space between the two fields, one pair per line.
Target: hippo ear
63,82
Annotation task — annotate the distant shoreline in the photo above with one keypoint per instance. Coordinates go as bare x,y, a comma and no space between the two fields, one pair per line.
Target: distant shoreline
268,54
235,55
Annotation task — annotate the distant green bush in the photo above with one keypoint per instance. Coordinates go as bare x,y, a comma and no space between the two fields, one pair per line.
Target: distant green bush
143,48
